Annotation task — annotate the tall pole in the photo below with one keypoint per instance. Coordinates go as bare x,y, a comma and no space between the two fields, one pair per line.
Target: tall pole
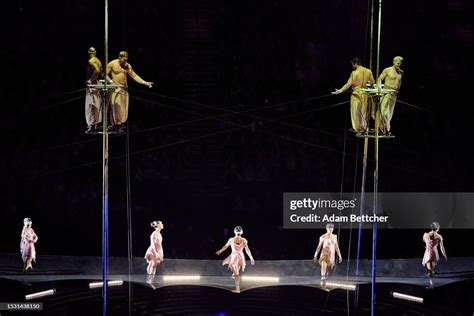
105,172
376,172
371,33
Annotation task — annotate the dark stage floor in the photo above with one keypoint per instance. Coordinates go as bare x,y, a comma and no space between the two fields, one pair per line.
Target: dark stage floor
295,288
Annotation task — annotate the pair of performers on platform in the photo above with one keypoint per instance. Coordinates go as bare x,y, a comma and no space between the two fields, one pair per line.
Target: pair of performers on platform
116,73
362,77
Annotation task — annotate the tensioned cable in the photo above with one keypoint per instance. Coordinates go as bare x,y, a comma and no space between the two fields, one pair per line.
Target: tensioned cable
200,119
241,126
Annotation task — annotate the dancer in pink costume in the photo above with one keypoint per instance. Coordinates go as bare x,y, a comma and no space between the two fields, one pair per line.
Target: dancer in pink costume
431,257
27,244
328,243
236,260
154,254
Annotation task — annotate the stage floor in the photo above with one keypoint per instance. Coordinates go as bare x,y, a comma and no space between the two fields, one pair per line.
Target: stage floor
212,274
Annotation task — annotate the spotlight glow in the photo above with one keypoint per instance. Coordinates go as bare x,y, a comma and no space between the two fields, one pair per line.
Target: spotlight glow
178,278
345,286
266,279
40,294
407,297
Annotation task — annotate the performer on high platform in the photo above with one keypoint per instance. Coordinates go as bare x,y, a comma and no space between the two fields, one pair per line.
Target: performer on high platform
392,77
236,260
328,243
358,79
431,257
154,254
93,97
27,244
119,69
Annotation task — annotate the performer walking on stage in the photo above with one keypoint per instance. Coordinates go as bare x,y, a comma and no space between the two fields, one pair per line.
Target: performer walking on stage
392,77
328,243
236,260
431,257
93,98
119,69
154,254
358,79
27,244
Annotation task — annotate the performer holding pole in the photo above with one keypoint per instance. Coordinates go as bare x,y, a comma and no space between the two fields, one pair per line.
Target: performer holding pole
236,260
392,78
358,79
118,69
93,96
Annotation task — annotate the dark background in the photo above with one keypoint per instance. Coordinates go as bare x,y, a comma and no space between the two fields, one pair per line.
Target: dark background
204,177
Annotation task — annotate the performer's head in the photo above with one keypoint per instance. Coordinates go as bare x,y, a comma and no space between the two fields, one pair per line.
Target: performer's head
157,224
329,227
397,62
238,231
27,222
123,57
435,226
92,52
355,62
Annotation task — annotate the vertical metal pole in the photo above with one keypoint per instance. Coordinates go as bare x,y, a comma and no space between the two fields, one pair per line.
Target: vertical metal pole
376,172
371,33
361,212
129,221
105,173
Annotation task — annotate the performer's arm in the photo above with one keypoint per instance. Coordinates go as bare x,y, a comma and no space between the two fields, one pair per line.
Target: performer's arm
371,79
318,249
95,73
218,252
137,77
337,250
35,237
441,246
108,71
382,76
344,87
247,250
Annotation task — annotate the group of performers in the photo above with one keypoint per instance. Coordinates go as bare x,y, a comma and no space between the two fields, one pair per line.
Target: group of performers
362,104
327,249
116,74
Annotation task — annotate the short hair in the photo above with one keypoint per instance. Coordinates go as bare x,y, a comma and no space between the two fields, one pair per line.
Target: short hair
238,230
123,54
435,226
330,225
399,58
356,60
155,224
91,50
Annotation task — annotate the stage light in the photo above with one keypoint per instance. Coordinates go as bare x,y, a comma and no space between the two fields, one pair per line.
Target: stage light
95,285
344,286
266,279
407,297
177,278
40,294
